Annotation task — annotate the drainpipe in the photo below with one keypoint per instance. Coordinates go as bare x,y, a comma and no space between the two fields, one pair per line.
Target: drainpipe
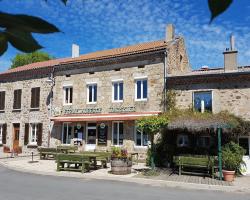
165,81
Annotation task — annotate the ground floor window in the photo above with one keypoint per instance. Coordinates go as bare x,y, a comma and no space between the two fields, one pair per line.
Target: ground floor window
204,141
141,138
244,142
33,134
182,141
117,138
66,133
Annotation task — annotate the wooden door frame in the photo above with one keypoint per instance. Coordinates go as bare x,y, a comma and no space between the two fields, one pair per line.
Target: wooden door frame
13,134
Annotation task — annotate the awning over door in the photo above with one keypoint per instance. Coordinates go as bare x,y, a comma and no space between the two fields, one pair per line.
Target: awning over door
104,117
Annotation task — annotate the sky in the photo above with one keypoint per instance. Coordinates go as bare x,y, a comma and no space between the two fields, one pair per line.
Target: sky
103,24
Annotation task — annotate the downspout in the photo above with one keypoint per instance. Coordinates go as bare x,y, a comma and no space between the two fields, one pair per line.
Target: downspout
51,104
165,82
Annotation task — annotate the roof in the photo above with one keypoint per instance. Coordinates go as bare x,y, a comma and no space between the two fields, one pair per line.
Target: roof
117,52
99,55
36,65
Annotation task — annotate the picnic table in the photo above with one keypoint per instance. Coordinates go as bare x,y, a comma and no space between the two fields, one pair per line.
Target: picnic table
46,153
67,149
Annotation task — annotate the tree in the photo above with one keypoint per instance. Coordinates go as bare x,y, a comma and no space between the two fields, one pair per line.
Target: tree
152,125
27,58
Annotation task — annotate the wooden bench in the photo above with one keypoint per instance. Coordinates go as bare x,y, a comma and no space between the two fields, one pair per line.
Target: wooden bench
46,153
204,163
65,161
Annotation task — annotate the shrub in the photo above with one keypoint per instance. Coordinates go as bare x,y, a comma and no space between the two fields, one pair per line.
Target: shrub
232,155
118,152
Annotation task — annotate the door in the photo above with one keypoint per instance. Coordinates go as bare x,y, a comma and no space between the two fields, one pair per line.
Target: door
91,137
16,134
245,143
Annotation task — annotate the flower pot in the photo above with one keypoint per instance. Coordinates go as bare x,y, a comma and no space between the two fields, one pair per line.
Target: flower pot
121,166
228,175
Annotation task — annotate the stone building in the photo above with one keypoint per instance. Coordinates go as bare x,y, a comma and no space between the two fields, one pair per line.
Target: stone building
91,100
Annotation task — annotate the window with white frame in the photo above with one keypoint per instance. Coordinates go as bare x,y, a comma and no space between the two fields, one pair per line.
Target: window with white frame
182,141
68,95
92,93
141,89
1,134
117,91
244,142
117,138
203,101
141,138
66,133
33,134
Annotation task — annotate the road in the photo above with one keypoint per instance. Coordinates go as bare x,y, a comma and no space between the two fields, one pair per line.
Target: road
23,186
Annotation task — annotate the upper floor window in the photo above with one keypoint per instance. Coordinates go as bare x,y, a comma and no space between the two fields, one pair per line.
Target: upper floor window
117,91
141,89
203,101
35,97
68,95
92,93
17,99
2,100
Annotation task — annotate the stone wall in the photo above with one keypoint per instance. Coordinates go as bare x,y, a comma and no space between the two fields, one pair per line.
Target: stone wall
25,115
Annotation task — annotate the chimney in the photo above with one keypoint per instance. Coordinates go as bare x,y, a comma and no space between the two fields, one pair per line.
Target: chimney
75,50
230,56
169,33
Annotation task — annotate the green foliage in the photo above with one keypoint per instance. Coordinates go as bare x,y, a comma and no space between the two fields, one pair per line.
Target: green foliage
24,59
18,29
217,7
171,100
232,155
152,124
118,152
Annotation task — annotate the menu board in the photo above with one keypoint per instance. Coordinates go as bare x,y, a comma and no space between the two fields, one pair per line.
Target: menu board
102,134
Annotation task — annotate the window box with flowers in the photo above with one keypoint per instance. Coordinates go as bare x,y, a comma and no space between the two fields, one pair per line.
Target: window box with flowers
120,162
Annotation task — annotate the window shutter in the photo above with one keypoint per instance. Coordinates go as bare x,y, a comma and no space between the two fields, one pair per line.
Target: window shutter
37,97
4,133
19,97
39,134
15,99
32,105
2,100
26,134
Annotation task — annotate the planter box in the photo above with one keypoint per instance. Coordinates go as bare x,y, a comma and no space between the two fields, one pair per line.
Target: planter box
121,166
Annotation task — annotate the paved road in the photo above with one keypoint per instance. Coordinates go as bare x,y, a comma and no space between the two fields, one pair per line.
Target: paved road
22,186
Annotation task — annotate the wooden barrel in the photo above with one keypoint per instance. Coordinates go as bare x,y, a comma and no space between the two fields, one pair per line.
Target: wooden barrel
121,166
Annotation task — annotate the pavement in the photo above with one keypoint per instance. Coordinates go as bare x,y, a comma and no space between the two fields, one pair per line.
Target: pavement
48,168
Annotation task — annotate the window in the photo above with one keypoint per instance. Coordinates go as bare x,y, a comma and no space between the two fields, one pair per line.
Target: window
203,101
117,91
204,141
182,141
91,133
17,99
35,97
92,93
244,142
117,133
141,138
68,95
141,89
66,133
33,134
2,100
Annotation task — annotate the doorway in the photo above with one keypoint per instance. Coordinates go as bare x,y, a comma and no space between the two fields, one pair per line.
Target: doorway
16,136
91,137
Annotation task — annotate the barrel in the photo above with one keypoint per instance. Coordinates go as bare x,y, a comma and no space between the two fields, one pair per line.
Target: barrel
121,166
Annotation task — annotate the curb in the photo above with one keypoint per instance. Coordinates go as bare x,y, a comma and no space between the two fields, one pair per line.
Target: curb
142,181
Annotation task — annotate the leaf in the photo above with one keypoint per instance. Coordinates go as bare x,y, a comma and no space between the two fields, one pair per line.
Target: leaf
217,7
22,40
3,43
64,1
26,23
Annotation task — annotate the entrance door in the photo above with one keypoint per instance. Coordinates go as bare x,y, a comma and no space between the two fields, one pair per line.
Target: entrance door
16,134
91,137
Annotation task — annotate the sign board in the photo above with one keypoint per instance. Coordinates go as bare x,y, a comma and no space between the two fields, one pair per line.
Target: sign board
122,109
81,111
102,134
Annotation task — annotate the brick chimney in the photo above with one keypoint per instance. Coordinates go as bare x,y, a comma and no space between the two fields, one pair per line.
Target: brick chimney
230,56
75,50
169,33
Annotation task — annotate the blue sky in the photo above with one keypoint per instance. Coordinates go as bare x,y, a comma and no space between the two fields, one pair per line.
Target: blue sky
104,24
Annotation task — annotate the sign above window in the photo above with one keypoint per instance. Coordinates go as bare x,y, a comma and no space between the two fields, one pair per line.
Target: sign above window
81,111
122,109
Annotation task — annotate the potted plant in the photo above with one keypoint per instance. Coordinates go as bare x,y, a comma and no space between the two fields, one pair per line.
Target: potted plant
232,155
120,162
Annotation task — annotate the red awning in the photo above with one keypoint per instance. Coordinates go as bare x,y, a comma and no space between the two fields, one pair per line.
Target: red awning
104,117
